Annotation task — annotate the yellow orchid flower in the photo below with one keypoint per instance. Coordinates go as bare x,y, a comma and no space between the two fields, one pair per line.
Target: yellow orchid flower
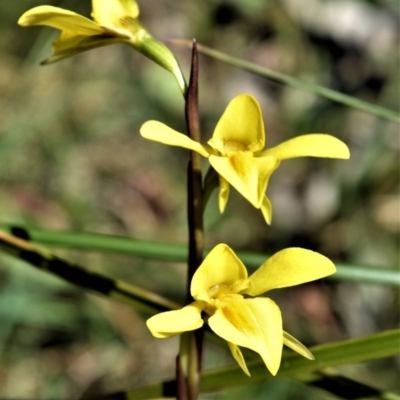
219,286
114,21
236,150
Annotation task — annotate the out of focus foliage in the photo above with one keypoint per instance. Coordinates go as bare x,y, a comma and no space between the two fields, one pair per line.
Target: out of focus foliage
71,158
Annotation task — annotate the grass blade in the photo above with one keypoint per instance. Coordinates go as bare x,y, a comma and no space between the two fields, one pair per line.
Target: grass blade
289,80
366,348
178,253
141,299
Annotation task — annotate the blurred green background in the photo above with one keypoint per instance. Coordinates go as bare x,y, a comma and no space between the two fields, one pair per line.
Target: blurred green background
71,158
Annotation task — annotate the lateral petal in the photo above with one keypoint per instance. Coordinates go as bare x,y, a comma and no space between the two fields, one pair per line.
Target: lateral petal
266,209
221,266
109,13
172,323
60,19
72,51
289,267
238,356
252,323
294,344
240,123
312,145
159,132
223,193
67,40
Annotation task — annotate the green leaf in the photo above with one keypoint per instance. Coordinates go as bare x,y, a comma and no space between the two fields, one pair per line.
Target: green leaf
298,83
366,348
178,253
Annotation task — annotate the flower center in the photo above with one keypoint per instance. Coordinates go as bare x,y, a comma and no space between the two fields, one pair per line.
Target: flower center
220,293
234,147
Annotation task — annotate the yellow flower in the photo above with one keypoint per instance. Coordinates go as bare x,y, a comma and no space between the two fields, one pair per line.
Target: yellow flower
219,286
114,21
236,150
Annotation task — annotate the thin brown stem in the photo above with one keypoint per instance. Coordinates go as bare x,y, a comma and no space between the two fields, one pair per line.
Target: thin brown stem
194,340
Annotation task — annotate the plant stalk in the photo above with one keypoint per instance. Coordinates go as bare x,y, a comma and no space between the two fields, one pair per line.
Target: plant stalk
191,351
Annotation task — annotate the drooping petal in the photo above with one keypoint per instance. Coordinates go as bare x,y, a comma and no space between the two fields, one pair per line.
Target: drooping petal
266,209
289,267
294,344
247,174
238,356
252,323
109,13
241,123
312,145
223,193
159,132
67,40
73,51
172,323
220,267
60,19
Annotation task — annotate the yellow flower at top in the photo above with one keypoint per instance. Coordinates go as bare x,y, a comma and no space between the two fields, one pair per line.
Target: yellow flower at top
219,287
236,150
114,21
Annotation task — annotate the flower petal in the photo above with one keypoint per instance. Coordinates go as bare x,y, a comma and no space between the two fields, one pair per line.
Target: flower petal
294,344
72,51
223,193
67,40
109,13
252,323
158,132
312,145
247,174
172,323
289,267
238,356
266,209
240,123
60,19
221,266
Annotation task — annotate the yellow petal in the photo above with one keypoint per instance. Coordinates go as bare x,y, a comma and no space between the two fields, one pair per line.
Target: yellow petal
67,40
60,19
241,123
221,266
172,323
223,194
252,323
289,267
109,13
238,356
72,51
266,209
158,132
312,145
247,174
294,344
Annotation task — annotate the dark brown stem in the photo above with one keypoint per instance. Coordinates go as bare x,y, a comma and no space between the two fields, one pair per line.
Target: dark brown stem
195,189
181,383
194,340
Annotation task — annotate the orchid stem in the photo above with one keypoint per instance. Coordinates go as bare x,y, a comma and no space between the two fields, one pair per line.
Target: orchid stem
191,352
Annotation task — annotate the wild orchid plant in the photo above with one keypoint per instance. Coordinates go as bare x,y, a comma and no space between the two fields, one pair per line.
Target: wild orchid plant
220,292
